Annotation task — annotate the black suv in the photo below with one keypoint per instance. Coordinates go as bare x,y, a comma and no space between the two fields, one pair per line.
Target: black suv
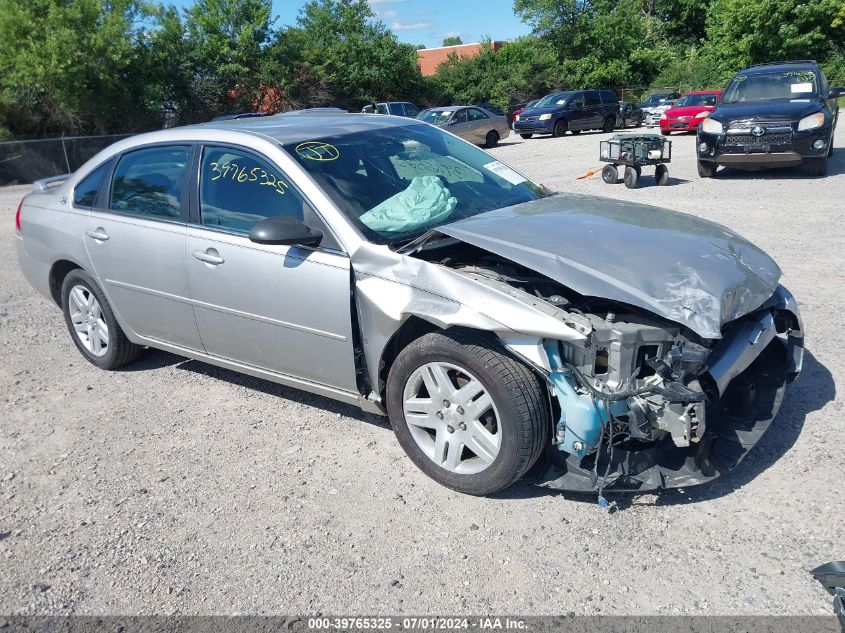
573,111
771,115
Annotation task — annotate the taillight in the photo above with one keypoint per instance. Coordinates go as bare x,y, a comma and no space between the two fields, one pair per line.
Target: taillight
18,217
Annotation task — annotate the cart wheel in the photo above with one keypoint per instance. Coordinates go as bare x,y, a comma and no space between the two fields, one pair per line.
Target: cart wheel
661,175
631,177
610,174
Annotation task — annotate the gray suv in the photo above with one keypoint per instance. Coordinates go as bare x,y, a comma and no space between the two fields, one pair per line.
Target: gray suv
573,111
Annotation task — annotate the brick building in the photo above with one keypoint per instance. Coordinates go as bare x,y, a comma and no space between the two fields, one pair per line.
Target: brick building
428,59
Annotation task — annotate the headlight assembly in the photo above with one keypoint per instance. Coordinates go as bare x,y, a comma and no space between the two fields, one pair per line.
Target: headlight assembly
811,122
711,126
545,117
701,115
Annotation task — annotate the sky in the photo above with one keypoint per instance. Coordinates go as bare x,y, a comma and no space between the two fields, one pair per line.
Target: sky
428,22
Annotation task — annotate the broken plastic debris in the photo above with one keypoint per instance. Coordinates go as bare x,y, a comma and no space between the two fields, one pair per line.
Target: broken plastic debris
425,201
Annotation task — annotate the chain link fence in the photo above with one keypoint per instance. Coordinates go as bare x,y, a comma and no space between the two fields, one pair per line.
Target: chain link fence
24,162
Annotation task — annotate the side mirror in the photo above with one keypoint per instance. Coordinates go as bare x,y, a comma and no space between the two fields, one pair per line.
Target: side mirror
835,93
284,230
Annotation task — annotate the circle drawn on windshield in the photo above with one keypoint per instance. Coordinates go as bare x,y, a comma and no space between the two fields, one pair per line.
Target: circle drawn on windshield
317,150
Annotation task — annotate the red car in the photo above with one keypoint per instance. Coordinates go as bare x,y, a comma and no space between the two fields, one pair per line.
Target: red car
689,111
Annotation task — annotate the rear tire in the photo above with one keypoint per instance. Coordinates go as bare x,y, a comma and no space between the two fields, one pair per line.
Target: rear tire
610,174
559,129
609,124
706,169
92,325
517,414
526,136
631,178
665,132
492,139
661,175
816,167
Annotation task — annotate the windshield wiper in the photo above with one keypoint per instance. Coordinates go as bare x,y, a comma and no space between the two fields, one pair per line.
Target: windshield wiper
412,245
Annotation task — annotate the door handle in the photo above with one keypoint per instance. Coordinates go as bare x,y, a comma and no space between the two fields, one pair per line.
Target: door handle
209,256
98,234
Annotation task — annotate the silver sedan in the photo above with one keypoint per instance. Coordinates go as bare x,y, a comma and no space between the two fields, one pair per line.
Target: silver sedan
471,123
385,263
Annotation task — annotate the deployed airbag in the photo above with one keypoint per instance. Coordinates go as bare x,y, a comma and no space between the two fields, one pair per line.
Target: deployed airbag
425,201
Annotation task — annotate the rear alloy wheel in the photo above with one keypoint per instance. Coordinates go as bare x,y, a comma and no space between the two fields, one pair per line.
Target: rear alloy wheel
609,124
661,175
92,325
492,139
526,136
816,167
706,169
632,178
559,128
468,415
610,174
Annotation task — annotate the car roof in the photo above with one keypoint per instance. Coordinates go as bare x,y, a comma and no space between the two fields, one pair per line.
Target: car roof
780,67
454,107
303,126
702,92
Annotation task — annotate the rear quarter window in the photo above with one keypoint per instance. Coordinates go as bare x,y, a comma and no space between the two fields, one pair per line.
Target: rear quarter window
85,193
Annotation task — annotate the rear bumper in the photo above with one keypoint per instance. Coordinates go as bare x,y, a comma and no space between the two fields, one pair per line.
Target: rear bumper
750,394
37,273
736,150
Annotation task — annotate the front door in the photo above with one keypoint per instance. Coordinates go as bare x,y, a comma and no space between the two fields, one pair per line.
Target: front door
285,309
135,237
479,125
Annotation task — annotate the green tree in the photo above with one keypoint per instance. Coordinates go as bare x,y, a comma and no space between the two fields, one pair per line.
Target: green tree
452,40
742,32
67,66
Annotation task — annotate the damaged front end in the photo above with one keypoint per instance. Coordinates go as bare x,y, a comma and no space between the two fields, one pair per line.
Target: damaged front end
641,402
644,406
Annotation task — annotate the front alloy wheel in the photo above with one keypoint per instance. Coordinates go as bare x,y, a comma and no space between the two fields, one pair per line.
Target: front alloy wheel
469,415
452,418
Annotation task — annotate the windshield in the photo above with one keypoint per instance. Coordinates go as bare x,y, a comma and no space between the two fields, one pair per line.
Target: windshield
556,99
395,183
696,100
435,117
654,100
772,85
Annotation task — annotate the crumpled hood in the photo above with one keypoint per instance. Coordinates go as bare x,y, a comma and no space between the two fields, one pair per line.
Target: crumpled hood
688,270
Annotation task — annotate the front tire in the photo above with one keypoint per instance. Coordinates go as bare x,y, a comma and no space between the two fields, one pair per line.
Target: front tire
661,175
468,415
526,136
632,177
610,174
817,167
559,128
92,325
609,124
706,169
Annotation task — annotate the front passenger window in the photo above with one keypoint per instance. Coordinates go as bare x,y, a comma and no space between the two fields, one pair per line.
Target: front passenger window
238,190
148,182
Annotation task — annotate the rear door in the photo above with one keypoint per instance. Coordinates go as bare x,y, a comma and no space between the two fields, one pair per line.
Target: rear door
459,124
577,113
286,309
478,125
135,237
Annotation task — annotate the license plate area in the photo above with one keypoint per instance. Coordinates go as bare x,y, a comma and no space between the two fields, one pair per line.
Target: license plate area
757,148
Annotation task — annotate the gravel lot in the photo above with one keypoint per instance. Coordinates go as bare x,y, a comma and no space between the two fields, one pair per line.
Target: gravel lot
176,487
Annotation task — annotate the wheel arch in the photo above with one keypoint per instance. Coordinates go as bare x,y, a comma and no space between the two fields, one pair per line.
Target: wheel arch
58,271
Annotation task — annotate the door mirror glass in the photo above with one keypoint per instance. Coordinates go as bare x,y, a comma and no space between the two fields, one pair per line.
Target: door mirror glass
284,230
835,93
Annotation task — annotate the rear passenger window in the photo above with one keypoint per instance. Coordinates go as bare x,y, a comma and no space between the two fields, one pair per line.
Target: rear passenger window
148,182
474,114
593,99
237,190
85,193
